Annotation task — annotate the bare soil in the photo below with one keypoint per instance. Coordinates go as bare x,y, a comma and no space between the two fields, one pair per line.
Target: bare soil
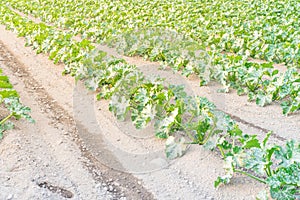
78,150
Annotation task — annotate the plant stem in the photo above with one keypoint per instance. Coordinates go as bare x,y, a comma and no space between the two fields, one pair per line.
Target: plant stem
6,118
187,132
192,117
191,137
222,152
249,175
268,171
209,134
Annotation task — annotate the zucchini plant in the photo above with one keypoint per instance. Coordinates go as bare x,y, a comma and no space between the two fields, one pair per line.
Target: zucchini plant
9,100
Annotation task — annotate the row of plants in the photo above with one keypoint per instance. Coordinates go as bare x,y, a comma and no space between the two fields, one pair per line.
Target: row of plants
10,105
59,45
265,29
192,119
262,82
183,119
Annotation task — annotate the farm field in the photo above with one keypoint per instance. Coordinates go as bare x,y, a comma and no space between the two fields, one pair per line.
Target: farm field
199,96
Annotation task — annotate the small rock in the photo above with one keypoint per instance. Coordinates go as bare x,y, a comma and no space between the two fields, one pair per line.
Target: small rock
116,184
9,197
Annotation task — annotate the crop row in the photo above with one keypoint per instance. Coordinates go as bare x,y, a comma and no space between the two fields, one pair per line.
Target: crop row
267,29
134,29
172,110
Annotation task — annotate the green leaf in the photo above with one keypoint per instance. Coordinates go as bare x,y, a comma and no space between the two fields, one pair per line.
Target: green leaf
5,84
285,182
4,127
8,94
253,142
175,149
266,139
17,109
119,106
289,154
262,99
229,168
255,160
236,131
164,126
262,195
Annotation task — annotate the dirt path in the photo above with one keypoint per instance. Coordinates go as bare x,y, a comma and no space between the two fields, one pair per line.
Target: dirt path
78,149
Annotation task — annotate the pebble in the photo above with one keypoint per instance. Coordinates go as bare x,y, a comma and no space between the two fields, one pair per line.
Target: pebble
116,184
9,197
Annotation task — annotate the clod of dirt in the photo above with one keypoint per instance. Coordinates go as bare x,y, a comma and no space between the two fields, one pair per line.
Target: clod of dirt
56,189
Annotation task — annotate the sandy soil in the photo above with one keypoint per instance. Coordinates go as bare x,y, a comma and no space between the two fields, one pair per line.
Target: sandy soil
78,150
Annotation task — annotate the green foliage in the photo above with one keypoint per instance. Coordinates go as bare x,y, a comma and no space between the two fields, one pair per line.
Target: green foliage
285,182
207,29
175,149
189,36
4,127
264,30
17,110
276,166
9,99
